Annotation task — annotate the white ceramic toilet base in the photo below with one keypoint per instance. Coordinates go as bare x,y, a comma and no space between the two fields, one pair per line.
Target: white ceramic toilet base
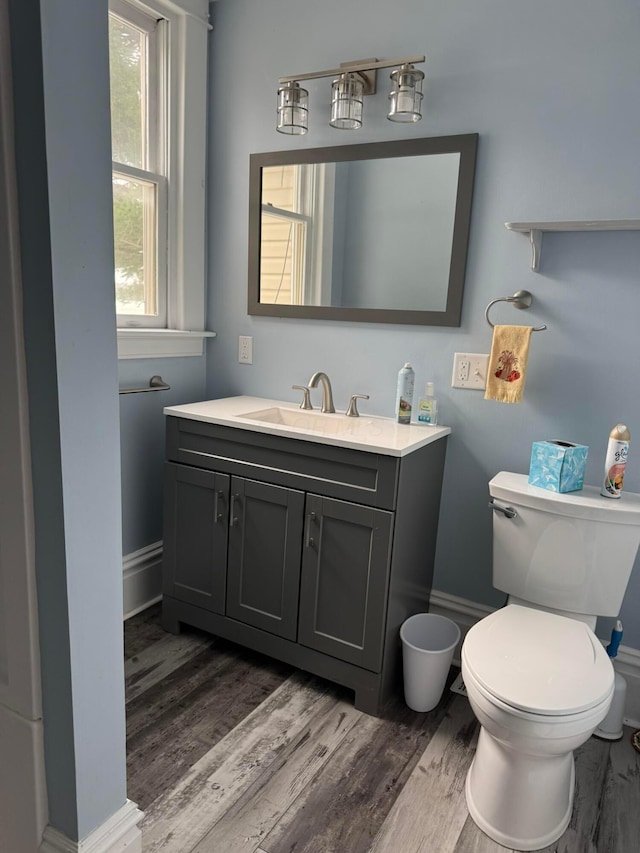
521,801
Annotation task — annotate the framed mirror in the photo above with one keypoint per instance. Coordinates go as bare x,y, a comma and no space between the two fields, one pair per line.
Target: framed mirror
372,233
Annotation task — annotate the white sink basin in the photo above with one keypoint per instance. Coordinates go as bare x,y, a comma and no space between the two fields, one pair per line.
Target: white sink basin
324,424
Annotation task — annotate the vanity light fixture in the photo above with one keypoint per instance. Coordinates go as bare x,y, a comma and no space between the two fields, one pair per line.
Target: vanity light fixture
292,108
352,80
406,94
347,92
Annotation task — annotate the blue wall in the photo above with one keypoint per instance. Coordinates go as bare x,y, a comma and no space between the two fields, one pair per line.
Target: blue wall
64,183
553,91
142,431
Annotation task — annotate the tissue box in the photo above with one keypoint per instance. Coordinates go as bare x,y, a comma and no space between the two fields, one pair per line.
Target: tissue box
558,465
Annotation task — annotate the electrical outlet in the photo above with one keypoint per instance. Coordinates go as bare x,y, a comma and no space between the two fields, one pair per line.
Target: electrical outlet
464,369
470,370
245,349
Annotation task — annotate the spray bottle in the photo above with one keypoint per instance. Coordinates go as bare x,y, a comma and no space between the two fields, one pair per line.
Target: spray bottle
404,394
611,727
615,461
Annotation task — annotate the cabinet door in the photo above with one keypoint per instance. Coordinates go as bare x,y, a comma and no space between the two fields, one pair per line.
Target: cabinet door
265,540
195,536
345,573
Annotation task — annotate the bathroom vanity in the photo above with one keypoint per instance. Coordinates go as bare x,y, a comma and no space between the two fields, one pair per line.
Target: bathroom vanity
309,537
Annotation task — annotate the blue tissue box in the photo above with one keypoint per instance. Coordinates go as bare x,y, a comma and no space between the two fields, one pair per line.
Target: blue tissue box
558,465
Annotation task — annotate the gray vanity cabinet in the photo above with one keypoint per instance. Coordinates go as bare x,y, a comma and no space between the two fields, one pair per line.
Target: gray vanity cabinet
310,553
265,539
195,536
345,577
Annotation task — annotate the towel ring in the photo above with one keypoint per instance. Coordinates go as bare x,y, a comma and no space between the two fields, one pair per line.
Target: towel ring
520,299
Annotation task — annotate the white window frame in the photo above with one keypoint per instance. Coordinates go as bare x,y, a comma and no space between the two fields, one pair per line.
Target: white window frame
153,169
186,34
321,261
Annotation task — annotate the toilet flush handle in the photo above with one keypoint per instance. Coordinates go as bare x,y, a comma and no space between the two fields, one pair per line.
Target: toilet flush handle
509,511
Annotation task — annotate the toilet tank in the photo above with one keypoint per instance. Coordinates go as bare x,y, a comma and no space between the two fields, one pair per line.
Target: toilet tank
571,552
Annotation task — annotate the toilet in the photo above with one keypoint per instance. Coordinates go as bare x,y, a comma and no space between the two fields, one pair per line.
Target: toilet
538,679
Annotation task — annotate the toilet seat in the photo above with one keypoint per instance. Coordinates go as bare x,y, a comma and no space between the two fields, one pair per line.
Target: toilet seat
538,663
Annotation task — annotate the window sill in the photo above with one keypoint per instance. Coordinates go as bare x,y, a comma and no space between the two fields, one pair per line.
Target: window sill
160,343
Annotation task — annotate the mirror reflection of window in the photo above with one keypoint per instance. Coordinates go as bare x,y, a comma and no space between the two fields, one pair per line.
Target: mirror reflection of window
296,234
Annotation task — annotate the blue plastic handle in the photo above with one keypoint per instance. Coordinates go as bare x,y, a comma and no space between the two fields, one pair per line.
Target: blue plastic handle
616,639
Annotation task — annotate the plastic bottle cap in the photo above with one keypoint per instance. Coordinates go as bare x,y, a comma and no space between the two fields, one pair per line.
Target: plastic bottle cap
406,364
428,389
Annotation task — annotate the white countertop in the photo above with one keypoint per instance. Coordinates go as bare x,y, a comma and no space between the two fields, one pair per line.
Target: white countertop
368,433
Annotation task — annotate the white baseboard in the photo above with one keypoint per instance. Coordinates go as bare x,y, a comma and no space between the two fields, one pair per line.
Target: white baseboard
141,579
119,834
23,791
466,613
627,663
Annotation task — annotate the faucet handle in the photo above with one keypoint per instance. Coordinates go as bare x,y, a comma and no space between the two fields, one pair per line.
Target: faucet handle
352,411
306,396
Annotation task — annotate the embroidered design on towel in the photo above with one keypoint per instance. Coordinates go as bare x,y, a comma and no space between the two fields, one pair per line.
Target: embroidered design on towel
507,366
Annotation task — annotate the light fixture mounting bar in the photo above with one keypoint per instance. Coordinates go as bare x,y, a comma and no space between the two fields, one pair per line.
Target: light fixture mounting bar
368,77
365,65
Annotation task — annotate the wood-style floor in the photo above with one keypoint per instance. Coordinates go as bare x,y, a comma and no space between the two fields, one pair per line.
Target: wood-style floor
231,751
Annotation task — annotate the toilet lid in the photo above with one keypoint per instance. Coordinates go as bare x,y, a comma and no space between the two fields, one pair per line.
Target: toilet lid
537,661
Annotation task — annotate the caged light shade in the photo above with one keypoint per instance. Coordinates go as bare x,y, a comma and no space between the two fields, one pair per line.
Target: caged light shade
406,94
347,92
351,82
293,109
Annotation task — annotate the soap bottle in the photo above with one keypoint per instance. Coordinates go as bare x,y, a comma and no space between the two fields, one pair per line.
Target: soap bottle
404,395
428,406
615,461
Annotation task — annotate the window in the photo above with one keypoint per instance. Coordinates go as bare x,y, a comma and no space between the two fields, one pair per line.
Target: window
297,234
286,227
138,65
157,53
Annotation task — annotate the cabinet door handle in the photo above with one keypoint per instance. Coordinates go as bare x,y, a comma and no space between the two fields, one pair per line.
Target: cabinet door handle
233,519
310,540
217,516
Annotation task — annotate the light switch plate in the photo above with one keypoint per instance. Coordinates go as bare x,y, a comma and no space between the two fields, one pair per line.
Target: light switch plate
470,370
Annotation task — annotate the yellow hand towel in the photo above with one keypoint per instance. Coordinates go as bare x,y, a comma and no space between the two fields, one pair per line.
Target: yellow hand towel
508,363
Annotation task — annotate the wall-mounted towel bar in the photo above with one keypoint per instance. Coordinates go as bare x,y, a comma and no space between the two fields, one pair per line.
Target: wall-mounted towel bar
520,299
156,383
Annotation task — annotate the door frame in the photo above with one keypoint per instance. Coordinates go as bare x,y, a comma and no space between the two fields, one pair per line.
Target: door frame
23,800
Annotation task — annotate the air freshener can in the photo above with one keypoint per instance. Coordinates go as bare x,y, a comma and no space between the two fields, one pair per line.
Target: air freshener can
404,394
615,461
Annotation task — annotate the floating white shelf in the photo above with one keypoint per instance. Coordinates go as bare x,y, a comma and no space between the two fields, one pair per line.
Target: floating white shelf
537,229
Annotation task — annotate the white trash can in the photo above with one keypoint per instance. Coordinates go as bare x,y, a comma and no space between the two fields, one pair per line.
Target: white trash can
428,643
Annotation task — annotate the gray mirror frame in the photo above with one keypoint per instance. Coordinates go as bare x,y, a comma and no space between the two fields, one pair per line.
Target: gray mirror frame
464,144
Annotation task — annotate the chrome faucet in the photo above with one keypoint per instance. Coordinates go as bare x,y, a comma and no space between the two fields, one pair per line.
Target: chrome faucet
327,393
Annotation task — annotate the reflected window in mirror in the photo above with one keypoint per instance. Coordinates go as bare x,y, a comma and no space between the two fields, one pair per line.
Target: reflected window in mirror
375,232
295,238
